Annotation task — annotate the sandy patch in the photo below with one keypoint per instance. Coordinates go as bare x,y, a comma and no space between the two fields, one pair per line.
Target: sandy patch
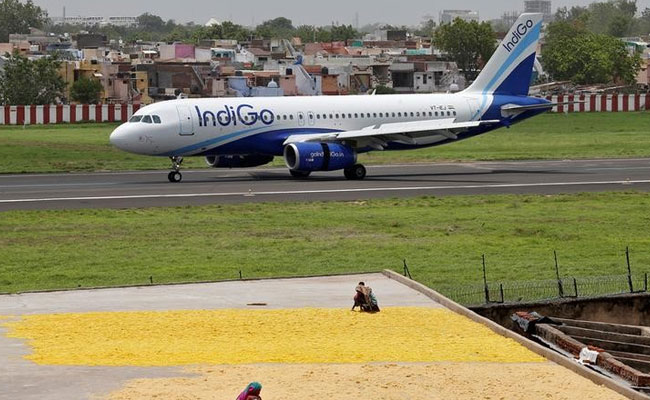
447,381
215,337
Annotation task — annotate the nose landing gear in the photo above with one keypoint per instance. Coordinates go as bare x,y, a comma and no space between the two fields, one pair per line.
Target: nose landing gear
175,176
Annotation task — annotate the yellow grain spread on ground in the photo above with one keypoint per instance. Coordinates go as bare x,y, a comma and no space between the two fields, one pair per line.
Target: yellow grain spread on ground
385,381
171,338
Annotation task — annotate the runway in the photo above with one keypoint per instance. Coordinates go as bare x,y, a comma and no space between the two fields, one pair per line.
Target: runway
213,186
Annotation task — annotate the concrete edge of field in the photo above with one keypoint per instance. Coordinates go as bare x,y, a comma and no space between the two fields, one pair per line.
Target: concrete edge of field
162,284
529,344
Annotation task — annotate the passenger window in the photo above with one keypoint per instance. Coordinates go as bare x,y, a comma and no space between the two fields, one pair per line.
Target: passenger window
343,116
291,117
417,114
284,117
454,113
448,114
317,116
430,114
399,114
156,119
374,115
331,116
337,116
349,115
412,115
356,115
436,113
147,119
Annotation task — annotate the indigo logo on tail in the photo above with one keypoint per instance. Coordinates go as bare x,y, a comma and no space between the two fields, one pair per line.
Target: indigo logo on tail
521,31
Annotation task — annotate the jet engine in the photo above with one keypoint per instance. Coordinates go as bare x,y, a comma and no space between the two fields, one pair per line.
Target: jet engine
308,157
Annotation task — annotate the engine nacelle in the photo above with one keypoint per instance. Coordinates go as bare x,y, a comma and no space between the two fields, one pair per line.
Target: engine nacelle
319,156
238,161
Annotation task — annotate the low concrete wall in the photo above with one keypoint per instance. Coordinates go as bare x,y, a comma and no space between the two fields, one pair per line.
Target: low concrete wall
628,309
530,345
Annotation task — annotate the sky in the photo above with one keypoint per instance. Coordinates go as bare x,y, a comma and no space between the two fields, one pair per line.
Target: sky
253,12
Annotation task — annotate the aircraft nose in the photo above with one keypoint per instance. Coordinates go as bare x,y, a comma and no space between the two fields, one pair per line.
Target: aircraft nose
118,138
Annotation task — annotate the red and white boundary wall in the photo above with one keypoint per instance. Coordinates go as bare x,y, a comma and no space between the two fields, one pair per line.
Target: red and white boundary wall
601,103
57,114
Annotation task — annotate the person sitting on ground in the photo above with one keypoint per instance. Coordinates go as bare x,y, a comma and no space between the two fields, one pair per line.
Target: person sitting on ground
360,299
365,299
252,392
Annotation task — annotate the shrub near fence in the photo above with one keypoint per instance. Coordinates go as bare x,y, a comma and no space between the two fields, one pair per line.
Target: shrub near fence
57,114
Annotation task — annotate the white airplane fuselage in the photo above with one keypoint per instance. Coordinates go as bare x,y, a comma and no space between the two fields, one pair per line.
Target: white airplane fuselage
186,129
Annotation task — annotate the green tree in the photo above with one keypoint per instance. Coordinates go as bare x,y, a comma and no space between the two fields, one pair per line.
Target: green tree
574,53
86,91
152,23
469,44
613,17
23,81
278,28
427,29
225,30
343,32
18,17
382,89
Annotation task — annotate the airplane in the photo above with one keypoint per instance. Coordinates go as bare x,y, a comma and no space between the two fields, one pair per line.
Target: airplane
326,133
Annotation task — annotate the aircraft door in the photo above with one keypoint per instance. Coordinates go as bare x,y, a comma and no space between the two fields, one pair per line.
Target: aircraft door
311,119
186,126
301,119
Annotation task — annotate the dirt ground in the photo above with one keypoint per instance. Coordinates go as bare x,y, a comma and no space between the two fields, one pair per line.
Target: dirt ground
386,381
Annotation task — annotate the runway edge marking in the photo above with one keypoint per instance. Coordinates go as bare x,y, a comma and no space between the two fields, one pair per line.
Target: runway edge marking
323,191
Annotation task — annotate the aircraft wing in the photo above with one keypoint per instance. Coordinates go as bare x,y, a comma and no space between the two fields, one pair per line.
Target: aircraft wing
377,136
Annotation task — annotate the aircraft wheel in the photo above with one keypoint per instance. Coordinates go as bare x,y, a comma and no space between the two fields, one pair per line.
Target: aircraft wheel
355,173
299,174
175,176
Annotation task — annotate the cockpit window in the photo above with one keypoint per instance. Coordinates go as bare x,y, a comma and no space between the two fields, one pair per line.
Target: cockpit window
156,119
136,118
147,119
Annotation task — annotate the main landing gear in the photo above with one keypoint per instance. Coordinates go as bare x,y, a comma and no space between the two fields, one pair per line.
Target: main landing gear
175,176
355,173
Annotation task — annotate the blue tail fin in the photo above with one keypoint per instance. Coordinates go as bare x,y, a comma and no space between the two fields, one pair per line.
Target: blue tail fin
510,69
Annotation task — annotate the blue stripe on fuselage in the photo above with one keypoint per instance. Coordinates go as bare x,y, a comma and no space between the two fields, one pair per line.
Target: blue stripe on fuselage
192,148
269,142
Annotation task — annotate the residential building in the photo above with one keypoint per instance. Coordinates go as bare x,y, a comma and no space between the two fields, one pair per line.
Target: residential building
96,20
539,6
448,16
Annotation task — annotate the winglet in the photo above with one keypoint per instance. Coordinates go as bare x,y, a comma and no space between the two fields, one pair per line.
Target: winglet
510,69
